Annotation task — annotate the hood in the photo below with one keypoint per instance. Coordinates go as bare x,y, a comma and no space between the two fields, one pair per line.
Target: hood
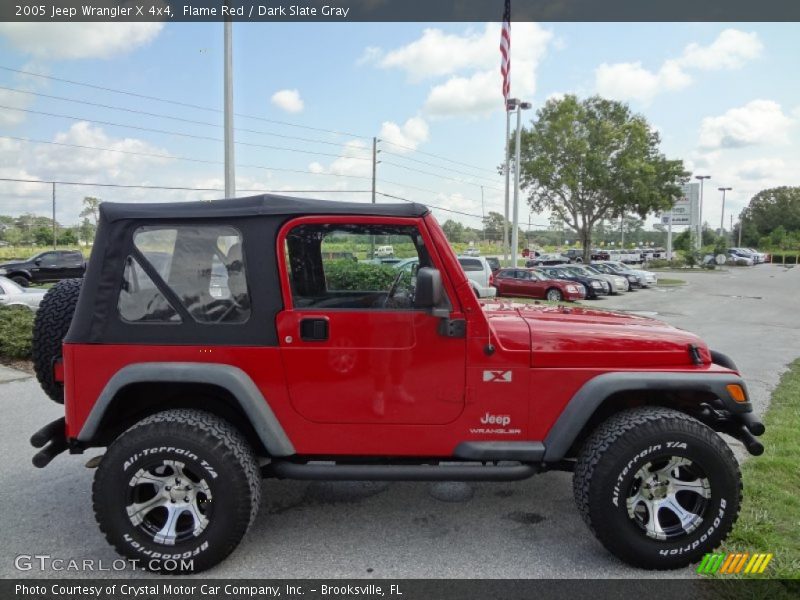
12,263
567,337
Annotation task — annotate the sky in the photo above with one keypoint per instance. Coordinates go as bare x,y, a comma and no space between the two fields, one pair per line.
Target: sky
310,97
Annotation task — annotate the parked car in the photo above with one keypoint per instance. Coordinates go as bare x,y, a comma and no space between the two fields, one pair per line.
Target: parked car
12,294
472,251
633,279
534,284
480,275
618,283
747,253
494,263
761,257
740,259
188,401
645,278
53,265
595,286
625,256
547,259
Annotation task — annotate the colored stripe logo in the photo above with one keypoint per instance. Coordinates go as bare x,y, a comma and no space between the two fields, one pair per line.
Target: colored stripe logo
731,564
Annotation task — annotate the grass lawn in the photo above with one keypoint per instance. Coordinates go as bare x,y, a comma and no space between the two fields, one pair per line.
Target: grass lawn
667,282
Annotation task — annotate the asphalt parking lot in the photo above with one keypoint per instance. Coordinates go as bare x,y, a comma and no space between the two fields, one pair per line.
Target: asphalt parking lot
526,529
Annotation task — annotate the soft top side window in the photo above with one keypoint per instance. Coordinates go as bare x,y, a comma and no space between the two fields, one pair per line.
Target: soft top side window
197,270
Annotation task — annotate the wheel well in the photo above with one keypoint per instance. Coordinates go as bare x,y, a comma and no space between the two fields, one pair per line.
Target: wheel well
137,401
687,401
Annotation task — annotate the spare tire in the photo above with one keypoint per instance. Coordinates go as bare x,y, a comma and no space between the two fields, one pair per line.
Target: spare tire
49,328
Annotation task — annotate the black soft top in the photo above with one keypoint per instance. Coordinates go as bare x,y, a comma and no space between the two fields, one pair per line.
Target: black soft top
264,204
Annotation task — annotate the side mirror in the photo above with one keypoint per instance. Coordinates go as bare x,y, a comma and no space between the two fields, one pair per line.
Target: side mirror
37,262
429,292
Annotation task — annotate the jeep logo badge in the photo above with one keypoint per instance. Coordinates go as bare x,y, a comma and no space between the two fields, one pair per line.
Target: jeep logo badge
497,376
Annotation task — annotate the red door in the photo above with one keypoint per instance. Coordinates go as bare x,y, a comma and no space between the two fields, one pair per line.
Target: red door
352,355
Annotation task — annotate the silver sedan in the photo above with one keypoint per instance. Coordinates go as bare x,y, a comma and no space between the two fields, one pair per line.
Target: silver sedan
13,295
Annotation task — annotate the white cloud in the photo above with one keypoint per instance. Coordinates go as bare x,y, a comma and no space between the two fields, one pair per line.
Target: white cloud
350,163
761,168
757,122
288,100
631,81
731,49
407,137
64,41
470,61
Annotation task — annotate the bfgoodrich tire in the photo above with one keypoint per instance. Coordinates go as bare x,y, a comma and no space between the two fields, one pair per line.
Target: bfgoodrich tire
49,328
177,491
658,488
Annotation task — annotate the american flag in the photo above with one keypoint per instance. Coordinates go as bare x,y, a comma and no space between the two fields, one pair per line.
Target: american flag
505,51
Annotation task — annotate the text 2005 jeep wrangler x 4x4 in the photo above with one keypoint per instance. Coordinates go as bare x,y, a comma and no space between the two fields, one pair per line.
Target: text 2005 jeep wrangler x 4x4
212,344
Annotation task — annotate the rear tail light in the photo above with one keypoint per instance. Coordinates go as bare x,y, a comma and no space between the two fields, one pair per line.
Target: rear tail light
491,278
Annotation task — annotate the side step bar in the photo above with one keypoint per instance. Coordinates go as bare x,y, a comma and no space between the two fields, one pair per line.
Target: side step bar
284,469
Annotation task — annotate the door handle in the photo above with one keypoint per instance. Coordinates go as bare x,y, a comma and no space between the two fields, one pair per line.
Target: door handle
314,330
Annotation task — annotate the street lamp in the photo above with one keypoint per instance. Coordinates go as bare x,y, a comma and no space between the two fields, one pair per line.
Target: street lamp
700,211
722,216
511,104
515,225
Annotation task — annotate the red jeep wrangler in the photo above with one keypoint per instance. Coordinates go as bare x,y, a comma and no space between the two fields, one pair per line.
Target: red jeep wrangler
215,343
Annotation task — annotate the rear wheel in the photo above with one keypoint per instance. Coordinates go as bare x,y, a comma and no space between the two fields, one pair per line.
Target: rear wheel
554,295
49,328
21,280
658,488
180,486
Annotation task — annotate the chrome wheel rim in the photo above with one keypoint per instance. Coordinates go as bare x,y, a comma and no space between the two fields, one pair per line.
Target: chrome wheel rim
669,498
168,502
553,296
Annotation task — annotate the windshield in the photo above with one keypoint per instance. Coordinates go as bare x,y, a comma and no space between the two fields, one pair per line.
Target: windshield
576,271
592,270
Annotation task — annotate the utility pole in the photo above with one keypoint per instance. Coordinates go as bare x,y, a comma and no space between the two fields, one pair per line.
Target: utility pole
741,224
669,236
230,174
55,234
374,177
722,216
483,216
731,228
622,230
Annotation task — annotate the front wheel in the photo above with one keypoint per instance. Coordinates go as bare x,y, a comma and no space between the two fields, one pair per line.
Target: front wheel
658,488
177,491
21,280
554,295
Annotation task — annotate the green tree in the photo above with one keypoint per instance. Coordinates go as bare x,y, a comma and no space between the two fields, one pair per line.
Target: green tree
453,230
91,208
768,210
87,230
594,159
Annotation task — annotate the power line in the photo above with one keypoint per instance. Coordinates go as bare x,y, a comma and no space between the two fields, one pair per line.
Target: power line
178,133
177,103
173,157
181,119
422,162
386,162
450,210
455,162
175,187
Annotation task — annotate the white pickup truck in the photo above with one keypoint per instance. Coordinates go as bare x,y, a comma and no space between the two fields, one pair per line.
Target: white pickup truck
626,256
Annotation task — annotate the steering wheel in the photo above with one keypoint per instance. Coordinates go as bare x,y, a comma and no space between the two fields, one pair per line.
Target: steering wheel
393,288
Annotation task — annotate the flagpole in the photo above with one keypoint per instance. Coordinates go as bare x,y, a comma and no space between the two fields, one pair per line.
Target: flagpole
507,170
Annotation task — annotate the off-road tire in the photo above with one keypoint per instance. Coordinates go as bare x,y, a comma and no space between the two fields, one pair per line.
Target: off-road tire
206,446
608,463
49,328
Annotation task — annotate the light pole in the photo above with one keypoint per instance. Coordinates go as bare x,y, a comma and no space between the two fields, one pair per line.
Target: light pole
700,211
515,225
722,216
230,175
511,103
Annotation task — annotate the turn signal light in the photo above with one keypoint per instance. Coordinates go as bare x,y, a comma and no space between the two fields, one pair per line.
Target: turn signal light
736,392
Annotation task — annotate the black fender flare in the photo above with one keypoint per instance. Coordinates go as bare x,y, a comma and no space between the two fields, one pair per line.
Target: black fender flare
594,392
24,272
233,379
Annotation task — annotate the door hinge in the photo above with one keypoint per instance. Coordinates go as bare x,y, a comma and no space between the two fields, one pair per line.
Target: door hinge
456,328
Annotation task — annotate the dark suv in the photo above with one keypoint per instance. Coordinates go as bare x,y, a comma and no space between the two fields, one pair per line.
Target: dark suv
53,265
